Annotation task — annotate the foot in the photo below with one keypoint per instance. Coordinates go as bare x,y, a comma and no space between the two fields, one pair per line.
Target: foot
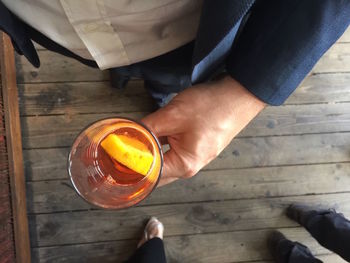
279,246
154,228
302,213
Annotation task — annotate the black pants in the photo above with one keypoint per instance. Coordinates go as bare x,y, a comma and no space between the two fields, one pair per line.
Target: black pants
150,252
330,229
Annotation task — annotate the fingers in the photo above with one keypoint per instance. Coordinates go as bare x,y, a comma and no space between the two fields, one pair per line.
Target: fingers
171,167
174,168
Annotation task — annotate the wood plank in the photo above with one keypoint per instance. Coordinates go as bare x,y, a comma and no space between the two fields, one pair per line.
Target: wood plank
345,37
14,149
336,59
284,150
179,219
233,184
46,164
322,88
215,247
82,97
56,68
60,131
331,258
97,97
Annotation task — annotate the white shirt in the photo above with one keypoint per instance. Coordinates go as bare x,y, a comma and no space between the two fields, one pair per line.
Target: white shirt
113,32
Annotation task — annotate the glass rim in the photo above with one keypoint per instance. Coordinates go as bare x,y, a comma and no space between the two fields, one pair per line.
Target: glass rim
111,118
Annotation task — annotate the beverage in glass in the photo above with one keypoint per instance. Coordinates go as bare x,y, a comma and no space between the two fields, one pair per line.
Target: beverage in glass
115,163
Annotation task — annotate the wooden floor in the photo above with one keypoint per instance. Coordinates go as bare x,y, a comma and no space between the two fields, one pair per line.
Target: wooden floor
299,152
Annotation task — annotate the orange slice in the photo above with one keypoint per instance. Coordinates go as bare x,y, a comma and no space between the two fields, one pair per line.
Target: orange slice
129,152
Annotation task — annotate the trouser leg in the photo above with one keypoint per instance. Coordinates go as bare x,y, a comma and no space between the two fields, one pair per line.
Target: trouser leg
150,252
329,228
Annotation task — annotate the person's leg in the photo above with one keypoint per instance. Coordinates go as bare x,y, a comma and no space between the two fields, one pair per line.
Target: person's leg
286,251
329,228
150,248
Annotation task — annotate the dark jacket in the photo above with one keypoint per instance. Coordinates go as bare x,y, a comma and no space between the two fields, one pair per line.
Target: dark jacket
269,46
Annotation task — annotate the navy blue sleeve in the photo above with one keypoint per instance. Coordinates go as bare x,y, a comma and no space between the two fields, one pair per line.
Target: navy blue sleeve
281,42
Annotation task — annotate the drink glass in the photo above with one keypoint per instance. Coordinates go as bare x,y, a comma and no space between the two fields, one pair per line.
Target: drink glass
103,181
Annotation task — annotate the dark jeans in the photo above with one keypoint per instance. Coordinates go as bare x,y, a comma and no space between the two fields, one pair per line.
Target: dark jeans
150,252
330,229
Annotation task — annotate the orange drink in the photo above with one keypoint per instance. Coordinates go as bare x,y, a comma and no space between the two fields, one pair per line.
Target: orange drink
115,163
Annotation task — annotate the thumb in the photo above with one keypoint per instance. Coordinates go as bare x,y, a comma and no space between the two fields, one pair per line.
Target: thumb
161,122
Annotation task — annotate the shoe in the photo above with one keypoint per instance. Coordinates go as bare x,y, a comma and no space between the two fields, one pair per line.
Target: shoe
279,246
302,213
154,228
284,250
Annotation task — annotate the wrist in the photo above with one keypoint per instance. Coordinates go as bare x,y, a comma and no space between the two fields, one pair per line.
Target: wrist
239,104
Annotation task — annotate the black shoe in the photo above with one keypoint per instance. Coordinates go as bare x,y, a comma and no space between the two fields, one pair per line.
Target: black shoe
284,250
302,213
279,246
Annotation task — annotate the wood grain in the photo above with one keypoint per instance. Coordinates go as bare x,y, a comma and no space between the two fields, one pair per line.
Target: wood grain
233,184
331,258
57,68
82,97
336,59
99,97
322,88
60,131
224,247
345,37
46,164
14,149
179,219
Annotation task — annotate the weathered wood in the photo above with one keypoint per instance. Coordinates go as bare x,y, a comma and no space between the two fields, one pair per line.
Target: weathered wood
60,131
336,59
46,164
233,184
82,97
322,88
179,219
285,150
345,37
56,68
331,258
216,247
14,149
97,97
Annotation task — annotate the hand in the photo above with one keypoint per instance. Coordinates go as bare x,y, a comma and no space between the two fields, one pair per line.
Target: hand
199,123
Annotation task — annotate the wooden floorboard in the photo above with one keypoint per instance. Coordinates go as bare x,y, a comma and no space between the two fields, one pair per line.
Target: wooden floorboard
45,164
87,97
224,247
57,68
299,152
180,219
60,131
82,97
232,184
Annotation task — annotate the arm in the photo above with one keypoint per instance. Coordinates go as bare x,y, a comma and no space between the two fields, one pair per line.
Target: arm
278,46
199,123
282,41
